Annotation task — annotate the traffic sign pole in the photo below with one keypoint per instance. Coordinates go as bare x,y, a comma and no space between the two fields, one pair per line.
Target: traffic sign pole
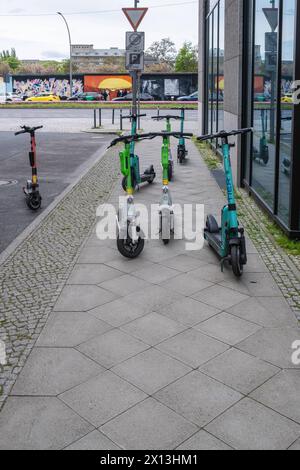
135,43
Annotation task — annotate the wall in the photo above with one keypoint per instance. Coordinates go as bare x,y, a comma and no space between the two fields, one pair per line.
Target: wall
31,86
233,71
160,86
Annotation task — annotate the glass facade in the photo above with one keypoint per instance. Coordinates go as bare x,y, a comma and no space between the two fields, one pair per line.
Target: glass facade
285,137
265,65
215,27
268,169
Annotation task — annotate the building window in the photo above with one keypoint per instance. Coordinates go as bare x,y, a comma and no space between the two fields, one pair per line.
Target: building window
215,27
270,110
264,99
285,137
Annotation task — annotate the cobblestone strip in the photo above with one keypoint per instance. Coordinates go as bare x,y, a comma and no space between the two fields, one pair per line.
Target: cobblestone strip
32,277
277,261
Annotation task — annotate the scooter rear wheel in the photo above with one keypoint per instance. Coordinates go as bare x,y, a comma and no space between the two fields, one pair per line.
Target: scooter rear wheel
128,249
237,266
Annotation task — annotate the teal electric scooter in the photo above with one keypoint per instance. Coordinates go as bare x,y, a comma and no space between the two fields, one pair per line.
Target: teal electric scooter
229,239
136,177
181,149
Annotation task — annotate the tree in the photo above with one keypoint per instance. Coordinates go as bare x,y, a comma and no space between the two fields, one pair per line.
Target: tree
187,58
10,58
64,67
163,51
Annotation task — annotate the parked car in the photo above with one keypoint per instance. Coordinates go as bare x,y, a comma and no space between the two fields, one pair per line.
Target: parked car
13,98
128,97
43,97
88,96
287,98
192,97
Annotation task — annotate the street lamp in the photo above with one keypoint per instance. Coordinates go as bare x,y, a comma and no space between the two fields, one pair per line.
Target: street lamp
70,42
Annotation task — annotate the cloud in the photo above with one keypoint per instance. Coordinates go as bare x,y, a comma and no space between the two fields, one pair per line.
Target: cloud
16,11
52,55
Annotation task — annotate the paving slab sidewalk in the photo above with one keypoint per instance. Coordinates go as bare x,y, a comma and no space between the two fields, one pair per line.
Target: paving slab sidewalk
163,352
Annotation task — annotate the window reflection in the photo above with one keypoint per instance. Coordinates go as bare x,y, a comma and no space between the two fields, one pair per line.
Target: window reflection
265,93
288,39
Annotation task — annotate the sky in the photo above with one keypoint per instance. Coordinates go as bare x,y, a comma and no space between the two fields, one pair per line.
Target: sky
45,36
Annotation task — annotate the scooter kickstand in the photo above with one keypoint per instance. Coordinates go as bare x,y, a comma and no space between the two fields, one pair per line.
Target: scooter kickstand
223,261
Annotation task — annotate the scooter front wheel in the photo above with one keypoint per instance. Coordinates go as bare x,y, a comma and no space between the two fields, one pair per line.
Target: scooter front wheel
181,155
130,249
34,201
237,266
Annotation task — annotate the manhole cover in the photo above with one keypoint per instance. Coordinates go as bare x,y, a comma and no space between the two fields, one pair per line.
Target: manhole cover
7,182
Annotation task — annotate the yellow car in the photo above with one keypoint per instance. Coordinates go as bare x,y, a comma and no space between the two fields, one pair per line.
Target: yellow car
46,98
288,98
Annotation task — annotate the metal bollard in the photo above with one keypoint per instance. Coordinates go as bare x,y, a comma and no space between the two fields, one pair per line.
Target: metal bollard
113,116
100,117
121,119
95,119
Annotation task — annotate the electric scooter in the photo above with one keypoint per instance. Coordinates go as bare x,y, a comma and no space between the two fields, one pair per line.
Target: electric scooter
229,239
136,177
130,239
31,191
263,153
168,129
181,149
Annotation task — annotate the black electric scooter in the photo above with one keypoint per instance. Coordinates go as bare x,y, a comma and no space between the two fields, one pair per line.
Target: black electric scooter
31,191
262,154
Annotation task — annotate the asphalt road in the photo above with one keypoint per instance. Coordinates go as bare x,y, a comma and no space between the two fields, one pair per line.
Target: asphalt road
61,159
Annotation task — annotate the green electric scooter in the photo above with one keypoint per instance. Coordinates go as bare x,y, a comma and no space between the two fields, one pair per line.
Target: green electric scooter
130,241
263,153
181,149
136,177
166,208
168,129
229,239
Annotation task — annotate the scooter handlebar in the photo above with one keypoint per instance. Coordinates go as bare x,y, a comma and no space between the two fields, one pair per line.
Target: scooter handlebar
224,134
132,116
26,129
149,136
168,116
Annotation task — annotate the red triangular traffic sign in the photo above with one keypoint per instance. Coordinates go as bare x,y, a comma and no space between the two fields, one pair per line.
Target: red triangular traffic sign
135,16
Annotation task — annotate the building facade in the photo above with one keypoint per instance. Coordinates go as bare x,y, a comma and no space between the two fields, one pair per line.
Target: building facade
249,64
84,55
